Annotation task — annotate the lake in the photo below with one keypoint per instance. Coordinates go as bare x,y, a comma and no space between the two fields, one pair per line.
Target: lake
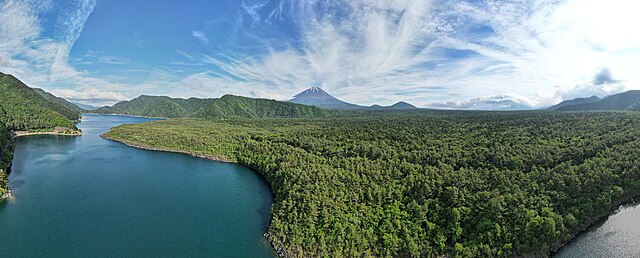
616,236
88,196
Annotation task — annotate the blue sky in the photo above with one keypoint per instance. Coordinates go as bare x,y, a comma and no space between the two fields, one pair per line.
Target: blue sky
446,54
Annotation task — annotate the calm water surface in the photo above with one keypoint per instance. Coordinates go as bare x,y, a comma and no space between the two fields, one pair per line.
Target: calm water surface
87,196
617,236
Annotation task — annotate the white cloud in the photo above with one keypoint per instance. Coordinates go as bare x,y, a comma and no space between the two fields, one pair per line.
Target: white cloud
93,96
43,60
113,60
185,55
199,35
368,51
496,102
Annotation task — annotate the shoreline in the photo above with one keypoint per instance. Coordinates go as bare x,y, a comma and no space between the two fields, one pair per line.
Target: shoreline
635,198
209,157
8,196
278,249
152,117
22,134
281,251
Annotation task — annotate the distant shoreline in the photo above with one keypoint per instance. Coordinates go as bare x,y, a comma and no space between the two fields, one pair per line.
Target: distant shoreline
22,134
100,114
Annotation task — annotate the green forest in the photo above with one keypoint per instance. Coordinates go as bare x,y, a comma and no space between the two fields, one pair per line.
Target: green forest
423,184
27,109
225,107
6,153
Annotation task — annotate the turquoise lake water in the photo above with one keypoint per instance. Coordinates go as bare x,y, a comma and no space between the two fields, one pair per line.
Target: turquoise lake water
90,197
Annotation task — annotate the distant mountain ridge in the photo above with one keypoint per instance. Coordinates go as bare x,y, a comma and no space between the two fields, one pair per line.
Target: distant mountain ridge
316,96
85,107
225,107
50,97
629,100
576,101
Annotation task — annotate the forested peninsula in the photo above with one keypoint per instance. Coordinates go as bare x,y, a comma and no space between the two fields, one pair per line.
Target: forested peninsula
423,183
28,110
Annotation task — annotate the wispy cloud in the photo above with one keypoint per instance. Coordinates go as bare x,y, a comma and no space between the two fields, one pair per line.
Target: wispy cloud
535,49
43,60
113,60
427,52
199,35
92,96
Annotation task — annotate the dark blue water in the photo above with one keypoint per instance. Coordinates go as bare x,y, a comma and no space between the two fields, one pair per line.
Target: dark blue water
88,196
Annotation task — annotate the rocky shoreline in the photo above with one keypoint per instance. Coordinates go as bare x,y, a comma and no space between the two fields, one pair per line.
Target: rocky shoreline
279,249
8,196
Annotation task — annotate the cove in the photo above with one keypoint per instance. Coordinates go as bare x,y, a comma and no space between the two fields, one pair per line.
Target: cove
89,196
618,235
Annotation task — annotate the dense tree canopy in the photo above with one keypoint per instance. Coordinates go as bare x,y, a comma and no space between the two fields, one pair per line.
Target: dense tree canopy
26,109
225,107
423,183
6,152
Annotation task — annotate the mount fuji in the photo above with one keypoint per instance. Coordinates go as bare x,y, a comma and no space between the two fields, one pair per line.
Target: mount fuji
316,96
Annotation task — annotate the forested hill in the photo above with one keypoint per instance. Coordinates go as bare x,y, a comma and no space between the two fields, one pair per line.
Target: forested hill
6,152
573,102
26,109
629,100
225,107
55,99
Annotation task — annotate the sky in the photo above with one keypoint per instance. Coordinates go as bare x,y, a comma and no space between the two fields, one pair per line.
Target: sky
431,53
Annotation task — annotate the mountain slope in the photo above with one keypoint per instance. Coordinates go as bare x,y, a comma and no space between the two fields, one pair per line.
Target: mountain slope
225,107
6,153
23,108
621,101
51,98
85,107
577,101
26,109
401,106
315,96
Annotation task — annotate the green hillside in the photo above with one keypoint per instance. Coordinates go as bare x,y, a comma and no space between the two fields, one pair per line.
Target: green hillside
621,101
51,98
26,109
6,152
225,107
573,102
